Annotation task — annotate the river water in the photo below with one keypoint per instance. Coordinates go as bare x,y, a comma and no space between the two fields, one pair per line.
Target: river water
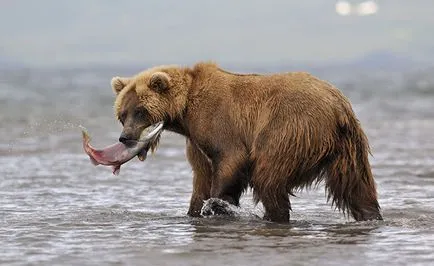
57,208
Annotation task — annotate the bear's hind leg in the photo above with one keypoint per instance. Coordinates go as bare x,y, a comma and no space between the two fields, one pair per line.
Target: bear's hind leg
202,175
353,191
349,180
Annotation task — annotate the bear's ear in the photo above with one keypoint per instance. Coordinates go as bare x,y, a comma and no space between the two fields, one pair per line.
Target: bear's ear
119,83
159,82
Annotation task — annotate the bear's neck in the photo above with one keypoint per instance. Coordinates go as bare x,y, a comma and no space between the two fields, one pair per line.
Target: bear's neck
177,126
194,79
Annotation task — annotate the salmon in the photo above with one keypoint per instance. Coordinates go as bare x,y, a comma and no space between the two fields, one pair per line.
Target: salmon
117,154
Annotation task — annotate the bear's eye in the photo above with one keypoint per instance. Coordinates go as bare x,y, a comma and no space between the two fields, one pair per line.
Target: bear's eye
140,113
122,117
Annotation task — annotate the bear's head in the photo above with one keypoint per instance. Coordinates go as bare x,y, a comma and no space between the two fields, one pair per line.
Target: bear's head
154,95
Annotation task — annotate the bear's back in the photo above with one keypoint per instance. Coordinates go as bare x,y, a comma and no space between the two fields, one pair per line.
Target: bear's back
249,102
278,88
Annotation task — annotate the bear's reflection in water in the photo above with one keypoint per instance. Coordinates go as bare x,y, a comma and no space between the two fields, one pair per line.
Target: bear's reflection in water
247,232
223,219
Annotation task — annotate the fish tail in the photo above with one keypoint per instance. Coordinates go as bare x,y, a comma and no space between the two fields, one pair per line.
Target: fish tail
85,134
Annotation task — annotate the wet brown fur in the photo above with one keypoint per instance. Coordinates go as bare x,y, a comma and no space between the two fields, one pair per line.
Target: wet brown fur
275,133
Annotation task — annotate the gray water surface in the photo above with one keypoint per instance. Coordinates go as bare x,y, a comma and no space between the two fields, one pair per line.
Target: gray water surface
57,208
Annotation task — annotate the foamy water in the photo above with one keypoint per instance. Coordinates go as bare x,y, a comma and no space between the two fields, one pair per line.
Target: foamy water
57,208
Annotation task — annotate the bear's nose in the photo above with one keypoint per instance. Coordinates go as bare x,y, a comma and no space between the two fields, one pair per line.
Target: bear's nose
123,139
126,139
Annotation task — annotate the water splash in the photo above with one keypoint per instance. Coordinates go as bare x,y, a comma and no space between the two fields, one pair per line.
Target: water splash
48,131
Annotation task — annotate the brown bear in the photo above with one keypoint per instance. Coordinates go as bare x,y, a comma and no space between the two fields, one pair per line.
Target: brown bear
276,133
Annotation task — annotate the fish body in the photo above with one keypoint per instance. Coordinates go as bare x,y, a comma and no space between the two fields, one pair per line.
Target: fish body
117,154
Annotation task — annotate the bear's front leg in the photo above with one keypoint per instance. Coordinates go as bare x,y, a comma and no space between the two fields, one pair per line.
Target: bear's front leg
202,175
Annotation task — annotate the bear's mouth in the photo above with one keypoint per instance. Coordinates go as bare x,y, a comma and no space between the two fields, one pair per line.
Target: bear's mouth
117,154
151,140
